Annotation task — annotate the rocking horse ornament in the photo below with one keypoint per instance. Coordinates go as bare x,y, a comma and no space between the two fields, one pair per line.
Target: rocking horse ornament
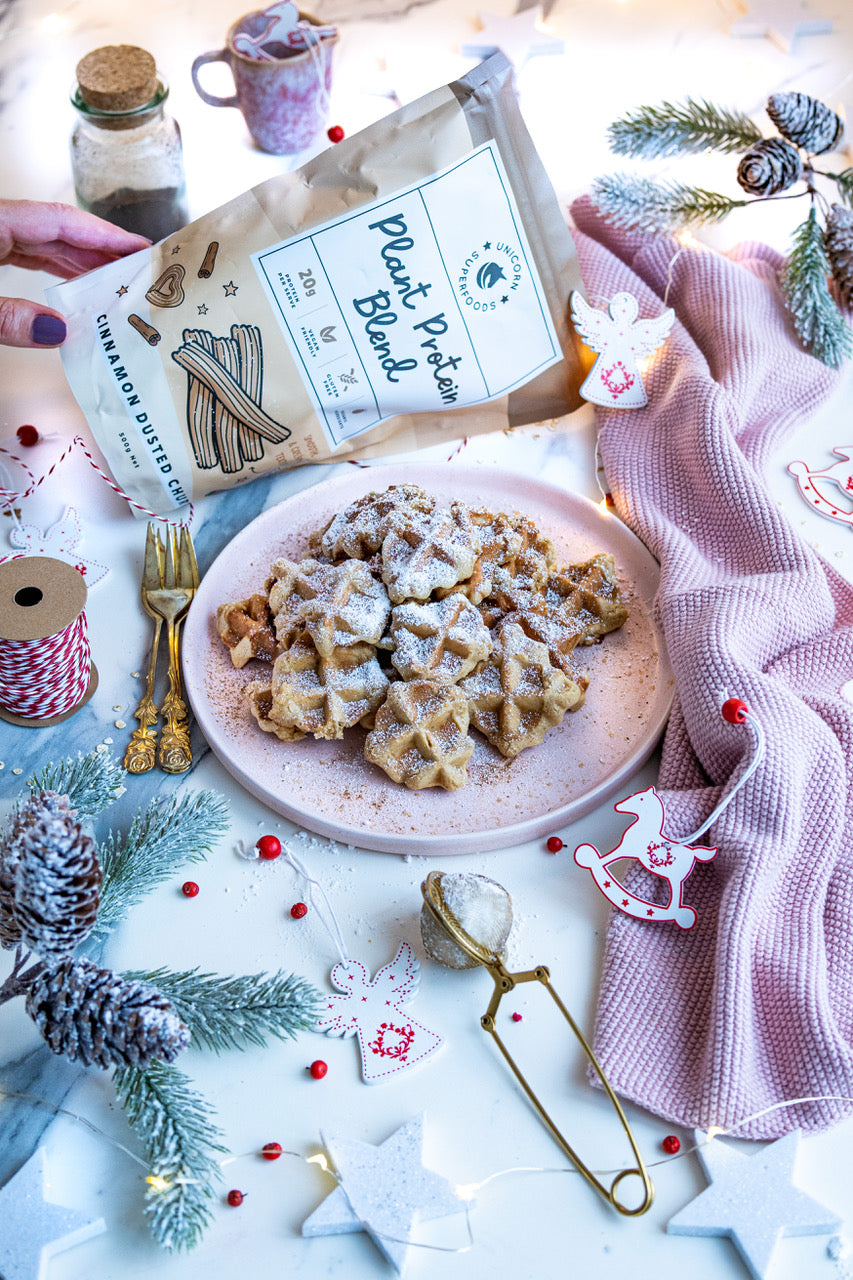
840,474
667,857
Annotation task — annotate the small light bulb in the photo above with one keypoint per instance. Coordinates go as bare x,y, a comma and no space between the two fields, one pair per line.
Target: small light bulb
158,1183
319,1159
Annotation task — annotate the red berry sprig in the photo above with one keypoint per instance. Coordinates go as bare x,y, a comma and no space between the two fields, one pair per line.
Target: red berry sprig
671,1145
553,844
335,133
268,847
235,1198
318,1069
28,435
298,910
189,889
734,711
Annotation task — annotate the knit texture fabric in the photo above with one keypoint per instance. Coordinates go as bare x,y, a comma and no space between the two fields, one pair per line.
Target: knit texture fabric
752,1006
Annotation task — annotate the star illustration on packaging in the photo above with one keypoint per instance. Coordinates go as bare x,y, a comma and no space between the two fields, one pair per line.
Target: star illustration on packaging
389,1038
34,1229
751,1199
384,1190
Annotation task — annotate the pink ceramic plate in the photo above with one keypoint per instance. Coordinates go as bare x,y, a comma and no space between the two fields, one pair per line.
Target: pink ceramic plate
330,788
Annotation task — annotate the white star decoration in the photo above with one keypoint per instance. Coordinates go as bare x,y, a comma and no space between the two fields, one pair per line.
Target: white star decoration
752,1199
519,37
781,21
383,1190
41,1228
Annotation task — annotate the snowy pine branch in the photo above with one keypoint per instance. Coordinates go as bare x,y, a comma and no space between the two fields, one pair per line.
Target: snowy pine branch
627,200
817,320
233,1012
691,127
161,838
92,782
844,183
172,1123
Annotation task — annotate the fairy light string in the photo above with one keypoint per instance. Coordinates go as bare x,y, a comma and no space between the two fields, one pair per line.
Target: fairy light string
838,1248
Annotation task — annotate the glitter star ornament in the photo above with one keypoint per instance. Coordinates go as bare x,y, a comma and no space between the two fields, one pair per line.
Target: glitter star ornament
781,21
518,37
752,1200
41,1228
384,1190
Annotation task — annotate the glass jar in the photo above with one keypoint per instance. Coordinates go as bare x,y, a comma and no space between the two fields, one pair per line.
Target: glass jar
126,154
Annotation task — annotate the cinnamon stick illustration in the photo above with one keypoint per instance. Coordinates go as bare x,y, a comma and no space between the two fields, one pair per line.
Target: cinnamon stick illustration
205,271
149,333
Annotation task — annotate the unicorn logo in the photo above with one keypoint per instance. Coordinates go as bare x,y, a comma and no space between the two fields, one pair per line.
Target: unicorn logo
644,842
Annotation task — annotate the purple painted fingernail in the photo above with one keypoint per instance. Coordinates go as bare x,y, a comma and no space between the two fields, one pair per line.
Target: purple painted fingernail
49,331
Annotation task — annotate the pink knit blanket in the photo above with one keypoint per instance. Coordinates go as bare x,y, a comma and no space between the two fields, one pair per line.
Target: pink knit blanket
754,1005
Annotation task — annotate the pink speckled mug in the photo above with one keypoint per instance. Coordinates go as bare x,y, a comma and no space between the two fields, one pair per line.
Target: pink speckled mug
283,99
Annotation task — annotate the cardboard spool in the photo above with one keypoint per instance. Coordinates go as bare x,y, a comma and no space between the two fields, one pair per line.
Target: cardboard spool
39,598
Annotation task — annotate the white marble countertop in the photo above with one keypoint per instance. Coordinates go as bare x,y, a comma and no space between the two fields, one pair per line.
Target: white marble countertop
524,1225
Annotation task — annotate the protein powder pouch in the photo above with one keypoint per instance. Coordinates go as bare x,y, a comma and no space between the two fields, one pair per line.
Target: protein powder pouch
407,286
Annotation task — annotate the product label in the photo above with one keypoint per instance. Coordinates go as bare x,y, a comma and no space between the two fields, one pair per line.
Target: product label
422,302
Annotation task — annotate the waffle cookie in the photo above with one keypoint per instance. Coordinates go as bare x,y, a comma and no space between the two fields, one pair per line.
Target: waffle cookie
325,695
363,526
334,604
429,550
421,735
519,694
441,640
246,628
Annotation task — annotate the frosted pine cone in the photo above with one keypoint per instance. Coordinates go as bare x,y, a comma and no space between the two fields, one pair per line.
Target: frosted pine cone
57,880
770,166
805,121
39,819
838,239
93,1016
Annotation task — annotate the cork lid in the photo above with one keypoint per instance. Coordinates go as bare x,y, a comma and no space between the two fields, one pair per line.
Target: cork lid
117,77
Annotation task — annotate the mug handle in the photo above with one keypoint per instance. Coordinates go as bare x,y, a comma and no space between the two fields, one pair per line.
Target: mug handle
218,55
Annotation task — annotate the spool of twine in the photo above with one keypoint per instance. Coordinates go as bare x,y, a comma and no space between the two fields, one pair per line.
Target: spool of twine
46,668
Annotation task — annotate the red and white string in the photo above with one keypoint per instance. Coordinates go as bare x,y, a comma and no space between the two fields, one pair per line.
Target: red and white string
9,496
40,679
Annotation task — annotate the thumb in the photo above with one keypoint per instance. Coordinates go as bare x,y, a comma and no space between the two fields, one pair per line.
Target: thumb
27,324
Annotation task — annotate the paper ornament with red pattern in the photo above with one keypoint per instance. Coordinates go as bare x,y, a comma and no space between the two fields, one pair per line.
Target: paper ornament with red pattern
391,1041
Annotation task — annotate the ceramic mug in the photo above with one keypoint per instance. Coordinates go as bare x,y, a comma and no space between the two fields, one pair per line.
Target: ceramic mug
283,99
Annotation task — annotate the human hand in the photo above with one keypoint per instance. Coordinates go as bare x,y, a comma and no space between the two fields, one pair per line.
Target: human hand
63,240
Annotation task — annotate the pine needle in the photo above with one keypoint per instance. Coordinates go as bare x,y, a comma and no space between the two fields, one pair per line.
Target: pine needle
171,1121
234,1012
817,320
92,782
628,200
844,183
161,838
688,128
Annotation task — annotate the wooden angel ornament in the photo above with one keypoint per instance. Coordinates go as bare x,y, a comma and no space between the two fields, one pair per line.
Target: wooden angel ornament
389,1038
621,341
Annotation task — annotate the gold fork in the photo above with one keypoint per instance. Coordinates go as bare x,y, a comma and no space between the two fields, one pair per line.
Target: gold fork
172,600
139,756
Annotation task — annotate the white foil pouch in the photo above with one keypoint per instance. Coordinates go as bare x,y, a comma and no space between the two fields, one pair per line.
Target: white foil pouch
406,286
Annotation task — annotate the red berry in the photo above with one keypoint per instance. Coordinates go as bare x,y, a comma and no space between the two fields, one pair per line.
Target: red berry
734,711
318,1069
235,1199
27,435
298,910
671,1145
271,1150
335,133
268,847
516,1017
189,888
553,844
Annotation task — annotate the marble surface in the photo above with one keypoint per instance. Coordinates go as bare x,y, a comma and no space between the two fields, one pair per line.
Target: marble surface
523,1225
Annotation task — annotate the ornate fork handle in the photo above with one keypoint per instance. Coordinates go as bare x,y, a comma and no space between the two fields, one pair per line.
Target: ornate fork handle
175,751
140,752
